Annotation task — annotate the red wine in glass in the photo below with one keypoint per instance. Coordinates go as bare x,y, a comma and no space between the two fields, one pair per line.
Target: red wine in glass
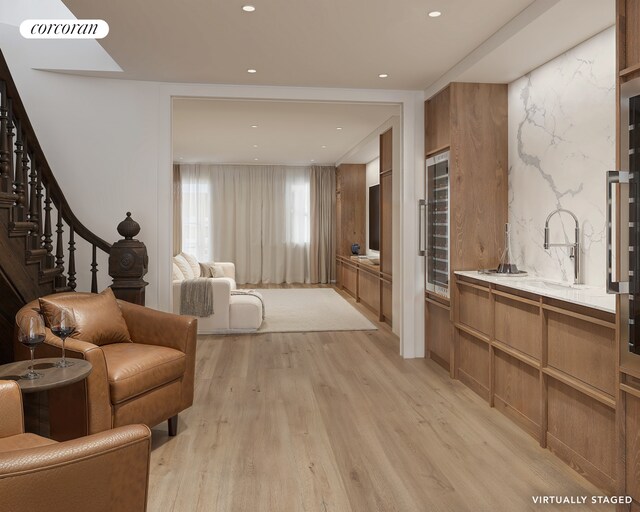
31,333
63,325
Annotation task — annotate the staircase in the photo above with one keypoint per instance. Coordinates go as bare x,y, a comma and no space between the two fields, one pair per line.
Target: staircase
35,260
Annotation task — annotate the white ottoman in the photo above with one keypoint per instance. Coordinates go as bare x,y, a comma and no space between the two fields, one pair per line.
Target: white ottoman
245,310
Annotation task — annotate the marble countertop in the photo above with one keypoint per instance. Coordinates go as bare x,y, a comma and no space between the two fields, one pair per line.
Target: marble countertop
590,296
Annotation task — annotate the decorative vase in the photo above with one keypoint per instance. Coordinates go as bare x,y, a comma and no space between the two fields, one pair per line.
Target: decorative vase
355,249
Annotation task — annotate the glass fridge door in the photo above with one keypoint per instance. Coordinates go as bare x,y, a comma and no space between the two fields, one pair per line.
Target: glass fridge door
438,224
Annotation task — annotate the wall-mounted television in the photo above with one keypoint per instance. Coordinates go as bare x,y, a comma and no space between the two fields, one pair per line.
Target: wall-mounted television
374,217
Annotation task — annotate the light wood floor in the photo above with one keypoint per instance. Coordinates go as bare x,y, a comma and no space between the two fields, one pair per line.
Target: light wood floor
338,422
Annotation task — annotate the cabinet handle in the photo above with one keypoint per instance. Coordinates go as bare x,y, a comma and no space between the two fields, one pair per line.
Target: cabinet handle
422,226
617,179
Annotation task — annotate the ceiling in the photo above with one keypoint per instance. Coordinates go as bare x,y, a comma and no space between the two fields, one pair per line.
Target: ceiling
326,43
219,131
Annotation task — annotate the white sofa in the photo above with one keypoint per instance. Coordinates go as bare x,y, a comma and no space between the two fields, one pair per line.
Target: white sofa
231,313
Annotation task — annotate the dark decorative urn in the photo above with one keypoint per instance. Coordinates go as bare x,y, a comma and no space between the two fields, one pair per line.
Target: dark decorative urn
355,249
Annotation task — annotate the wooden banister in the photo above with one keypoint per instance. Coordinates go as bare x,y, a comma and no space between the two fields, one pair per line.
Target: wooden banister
30,190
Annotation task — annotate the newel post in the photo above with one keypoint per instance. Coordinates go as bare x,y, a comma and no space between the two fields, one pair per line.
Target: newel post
128,263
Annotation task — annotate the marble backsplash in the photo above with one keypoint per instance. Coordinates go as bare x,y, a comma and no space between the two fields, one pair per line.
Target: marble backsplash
561,142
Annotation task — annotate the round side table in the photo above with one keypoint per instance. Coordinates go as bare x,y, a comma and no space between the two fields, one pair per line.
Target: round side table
52,376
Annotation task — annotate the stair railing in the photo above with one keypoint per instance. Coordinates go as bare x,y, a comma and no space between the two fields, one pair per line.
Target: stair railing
29,188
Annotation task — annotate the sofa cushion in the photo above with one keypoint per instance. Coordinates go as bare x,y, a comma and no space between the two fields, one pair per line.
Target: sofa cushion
193,263
184,267
177,273
134,368
98,316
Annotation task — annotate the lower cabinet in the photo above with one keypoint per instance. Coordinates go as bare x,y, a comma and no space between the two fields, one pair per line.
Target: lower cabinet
547,365
367,284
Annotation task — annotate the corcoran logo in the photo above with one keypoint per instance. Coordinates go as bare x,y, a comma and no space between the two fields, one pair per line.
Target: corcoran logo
64,29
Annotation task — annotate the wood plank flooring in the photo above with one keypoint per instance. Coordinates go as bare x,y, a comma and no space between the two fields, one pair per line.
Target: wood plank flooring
338,422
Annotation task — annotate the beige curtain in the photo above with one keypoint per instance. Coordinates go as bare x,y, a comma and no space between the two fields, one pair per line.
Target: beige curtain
322,253
177,211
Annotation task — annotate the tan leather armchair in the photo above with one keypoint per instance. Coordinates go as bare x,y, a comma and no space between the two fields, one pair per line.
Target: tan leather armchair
99,473
147,381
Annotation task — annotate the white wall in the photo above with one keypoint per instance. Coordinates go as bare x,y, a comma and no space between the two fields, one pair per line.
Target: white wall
561,142
109,145
372,178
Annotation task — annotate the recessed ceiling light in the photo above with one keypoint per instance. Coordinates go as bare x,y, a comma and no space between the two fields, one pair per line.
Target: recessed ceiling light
312,160
383,75
255,159
434,14
251,71
339,128
248,8
254,126
255,145
324,147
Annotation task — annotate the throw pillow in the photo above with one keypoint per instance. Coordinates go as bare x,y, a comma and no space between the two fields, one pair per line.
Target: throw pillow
184,267
193,263
98,316
177,273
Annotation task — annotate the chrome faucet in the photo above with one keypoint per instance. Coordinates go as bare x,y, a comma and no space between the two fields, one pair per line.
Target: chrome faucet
574,253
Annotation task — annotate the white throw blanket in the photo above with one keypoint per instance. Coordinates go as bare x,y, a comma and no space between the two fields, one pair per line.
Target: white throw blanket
196,297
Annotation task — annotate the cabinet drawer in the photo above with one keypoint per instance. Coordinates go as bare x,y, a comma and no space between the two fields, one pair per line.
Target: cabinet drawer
475,308
517,324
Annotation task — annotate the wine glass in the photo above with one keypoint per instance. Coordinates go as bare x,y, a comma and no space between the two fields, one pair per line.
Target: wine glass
63,324
31,333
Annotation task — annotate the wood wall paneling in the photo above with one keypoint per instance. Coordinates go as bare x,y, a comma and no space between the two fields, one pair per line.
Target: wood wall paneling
437,122
632,34
517,324
386,151
351,204
581,431
386,224
516,392
478,174
473,363
583,350
438,334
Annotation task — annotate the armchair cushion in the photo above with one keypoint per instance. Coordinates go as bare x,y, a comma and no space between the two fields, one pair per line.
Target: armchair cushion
98,316
22,442
134,368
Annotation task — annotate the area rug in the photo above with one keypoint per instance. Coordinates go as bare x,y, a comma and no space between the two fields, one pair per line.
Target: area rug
308,310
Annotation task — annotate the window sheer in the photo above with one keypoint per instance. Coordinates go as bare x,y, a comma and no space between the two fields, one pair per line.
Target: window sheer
259,217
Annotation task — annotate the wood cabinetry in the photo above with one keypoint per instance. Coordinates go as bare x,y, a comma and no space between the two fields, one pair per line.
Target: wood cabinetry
546,364
351,217
470,120
626,378
372,285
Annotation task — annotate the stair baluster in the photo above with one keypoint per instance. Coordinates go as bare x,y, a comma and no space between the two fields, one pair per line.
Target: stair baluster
33,203
59,242
25,175
71,281
5,166
47,240
94,270
18,210
10,134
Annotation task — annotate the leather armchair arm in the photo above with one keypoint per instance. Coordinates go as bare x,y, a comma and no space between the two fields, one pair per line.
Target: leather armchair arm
11,420
153,327
99,473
